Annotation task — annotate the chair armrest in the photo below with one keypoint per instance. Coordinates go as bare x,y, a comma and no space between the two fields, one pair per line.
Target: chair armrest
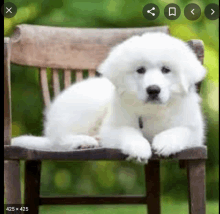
7,92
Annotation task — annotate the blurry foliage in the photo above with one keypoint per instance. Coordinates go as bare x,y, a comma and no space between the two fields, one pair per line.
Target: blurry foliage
112,177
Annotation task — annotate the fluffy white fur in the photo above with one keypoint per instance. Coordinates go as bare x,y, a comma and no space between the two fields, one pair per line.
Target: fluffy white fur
107,108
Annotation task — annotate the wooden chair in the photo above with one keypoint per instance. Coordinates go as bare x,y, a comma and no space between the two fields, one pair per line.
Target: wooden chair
77,48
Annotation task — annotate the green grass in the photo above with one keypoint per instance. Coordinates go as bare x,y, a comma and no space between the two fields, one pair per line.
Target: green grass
168,207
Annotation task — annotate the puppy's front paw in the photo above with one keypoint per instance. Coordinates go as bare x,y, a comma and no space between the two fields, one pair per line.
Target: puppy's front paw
71,142
166,144
139,151
88,142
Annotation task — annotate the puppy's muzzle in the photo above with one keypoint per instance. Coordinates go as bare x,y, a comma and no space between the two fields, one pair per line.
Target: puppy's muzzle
153,91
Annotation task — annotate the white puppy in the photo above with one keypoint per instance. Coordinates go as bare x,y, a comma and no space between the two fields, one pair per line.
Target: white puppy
151,76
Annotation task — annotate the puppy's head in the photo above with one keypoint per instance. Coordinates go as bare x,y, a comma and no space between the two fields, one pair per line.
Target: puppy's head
152,68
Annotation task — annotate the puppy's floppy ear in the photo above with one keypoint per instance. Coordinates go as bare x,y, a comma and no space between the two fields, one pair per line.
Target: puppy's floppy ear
113,64
111,71
193,73
200,74
105,69
197,72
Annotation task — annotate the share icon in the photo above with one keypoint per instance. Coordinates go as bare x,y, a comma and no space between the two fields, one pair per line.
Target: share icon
149,11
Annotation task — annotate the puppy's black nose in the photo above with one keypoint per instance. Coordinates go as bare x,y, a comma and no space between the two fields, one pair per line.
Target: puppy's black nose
153,90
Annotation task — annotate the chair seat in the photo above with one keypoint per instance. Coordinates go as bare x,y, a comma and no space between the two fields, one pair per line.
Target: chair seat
19,153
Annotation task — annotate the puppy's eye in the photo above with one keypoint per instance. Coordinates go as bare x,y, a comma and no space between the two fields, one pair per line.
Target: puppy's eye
141,70
165,70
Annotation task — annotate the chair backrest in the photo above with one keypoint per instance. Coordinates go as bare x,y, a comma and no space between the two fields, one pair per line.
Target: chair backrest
68,49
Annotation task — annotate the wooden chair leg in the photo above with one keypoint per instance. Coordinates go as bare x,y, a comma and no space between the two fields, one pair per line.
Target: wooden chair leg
12,182
196,186
32,185
152,180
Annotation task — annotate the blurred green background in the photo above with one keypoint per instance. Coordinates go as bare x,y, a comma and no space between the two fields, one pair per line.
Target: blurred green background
102,177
